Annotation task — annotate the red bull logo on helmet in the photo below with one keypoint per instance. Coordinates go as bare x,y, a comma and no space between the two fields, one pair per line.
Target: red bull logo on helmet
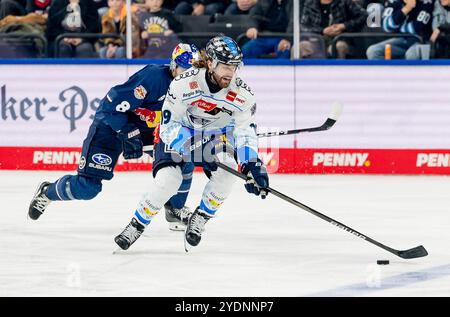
177,51
183,55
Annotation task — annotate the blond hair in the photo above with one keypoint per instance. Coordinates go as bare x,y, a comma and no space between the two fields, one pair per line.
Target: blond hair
201,62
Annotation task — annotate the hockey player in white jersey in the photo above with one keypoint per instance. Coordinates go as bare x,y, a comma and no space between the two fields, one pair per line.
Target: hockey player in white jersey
208,115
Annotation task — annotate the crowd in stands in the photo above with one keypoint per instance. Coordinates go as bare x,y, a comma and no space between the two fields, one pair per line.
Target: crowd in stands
372,29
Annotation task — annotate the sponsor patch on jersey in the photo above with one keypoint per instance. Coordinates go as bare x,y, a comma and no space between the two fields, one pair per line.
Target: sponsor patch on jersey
140,92
231,96
239,100
102,159
193,85
234,97
205,105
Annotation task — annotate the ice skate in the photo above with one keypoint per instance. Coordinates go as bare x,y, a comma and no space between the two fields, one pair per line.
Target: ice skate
177,218
130,234
40,202
194,229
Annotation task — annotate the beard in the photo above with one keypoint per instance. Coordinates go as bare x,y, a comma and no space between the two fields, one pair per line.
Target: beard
222,82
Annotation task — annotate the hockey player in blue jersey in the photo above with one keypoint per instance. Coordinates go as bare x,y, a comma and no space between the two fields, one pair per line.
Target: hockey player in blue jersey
208,116
123,123
404,16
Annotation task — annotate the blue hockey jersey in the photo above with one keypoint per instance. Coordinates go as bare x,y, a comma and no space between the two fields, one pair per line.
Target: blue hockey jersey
418,21
139,100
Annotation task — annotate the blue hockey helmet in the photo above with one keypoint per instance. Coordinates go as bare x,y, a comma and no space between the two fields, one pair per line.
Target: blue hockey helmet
183,56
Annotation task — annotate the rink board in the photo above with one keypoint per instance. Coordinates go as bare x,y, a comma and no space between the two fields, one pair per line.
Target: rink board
395,119
300,161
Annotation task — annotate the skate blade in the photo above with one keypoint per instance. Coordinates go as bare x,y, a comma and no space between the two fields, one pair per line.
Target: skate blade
187,246
118,251
174,226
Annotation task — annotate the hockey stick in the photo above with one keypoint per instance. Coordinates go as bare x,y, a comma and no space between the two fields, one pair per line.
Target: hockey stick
416,252
336,111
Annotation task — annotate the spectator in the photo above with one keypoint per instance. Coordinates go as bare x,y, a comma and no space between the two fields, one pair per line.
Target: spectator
328,18
12,7
114,21
158,27
441,27
23,25
201,7
72,16
404,16
240,7
272,16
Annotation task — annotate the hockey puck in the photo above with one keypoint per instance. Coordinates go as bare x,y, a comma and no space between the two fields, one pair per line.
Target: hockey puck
382,262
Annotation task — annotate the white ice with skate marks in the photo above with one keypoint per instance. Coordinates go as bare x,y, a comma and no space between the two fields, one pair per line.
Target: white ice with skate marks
254,247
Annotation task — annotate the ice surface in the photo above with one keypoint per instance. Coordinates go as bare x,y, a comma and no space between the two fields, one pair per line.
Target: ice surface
254,247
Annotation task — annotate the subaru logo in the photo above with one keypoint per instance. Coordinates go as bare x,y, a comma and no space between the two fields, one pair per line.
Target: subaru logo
101,159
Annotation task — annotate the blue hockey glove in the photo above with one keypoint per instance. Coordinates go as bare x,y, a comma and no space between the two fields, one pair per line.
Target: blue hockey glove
132,145
257,178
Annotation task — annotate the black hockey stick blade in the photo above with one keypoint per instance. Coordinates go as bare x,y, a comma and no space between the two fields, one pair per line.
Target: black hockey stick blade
328,124
336,111
417,252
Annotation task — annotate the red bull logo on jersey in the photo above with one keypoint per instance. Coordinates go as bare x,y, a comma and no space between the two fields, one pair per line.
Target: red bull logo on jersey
140,92
153,118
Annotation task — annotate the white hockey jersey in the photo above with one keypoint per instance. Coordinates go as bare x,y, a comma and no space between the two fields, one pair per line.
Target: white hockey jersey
190,104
